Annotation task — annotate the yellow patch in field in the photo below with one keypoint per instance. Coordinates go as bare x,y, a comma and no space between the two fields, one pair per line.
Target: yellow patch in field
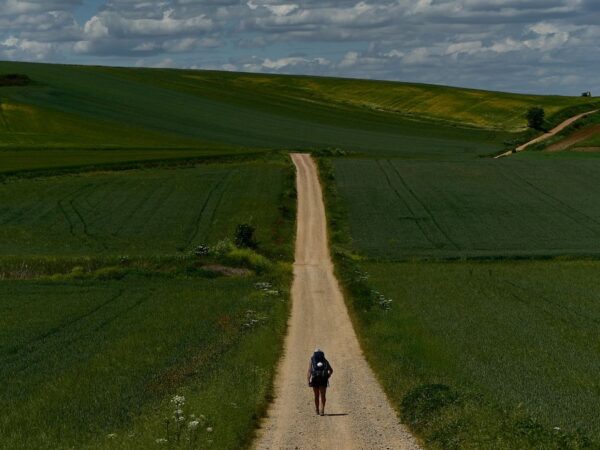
15,107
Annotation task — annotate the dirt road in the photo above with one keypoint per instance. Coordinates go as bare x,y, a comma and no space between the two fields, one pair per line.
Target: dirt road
359,414
549,134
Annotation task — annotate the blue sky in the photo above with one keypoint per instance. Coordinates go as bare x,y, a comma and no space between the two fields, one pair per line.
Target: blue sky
541,46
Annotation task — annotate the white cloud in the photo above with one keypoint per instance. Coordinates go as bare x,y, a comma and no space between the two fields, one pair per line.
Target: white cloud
423,40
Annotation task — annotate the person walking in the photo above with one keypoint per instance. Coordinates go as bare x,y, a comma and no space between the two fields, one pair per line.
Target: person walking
319,372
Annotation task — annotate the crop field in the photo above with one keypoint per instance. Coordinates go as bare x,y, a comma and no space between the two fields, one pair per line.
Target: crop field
139,212
176,108
494,110
94,363
506,351
496,351
120,190
14,162
107,312
186,108
403,209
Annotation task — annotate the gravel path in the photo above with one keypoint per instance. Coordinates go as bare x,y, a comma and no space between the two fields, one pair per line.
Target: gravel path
359,414
547,135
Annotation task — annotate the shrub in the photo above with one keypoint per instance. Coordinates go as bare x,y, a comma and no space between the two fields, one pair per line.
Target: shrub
222,248
535,117
246,257
14,79
244,236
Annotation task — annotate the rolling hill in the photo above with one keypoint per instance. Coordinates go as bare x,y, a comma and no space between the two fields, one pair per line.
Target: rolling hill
89,107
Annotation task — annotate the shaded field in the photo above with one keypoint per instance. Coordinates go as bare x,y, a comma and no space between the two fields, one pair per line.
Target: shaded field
178,108
402,209
144,212
488,355
16,162
94,363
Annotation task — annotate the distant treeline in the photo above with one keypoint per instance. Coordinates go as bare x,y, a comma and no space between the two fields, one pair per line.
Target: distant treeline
14,79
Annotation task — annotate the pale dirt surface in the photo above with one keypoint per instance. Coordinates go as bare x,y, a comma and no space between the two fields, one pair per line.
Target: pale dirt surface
360,416
548,135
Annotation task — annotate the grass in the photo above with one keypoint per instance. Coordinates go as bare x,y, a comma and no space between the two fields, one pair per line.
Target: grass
95,363
106,313
143,212
489,355
474,354
483,208
28,162
142,108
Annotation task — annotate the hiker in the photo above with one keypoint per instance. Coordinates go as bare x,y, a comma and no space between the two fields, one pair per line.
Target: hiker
319,371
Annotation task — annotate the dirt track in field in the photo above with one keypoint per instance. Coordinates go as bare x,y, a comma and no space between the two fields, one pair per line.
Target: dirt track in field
549,134
359,415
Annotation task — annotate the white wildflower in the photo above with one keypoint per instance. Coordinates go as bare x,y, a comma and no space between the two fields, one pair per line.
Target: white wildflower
161,441
209,430
178,400
193,424
111,435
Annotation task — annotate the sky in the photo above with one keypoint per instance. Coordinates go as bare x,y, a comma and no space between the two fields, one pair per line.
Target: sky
535,46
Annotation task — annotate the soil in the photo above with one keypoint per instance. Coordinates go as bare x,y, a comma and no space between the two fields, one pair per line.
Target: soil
548,135
227,271
575,138
358,414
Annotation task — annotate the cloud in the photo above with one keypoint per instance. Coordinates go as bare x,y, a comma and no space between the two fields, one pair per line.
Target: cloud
482,43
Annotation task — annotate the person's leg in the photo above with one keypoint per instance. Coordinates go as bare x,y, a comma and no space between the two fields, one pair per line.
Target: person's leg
323,392
316,391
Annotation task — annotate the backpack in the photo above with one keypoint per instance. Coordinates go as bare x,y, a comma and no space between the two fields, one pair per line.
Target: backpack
319,372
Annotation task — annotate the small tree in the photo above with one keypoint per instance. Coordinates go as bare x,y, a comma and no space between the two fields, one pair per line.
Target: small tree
535,117
244,236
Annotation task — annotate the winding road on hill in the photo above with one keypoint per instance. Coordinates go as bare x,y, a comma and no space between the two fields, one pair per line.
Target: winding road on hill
549,134
359,416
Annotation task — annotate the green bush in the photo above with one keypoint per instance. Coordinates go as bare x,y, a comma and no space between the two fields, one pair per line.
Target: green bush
535,117
244,236
246,257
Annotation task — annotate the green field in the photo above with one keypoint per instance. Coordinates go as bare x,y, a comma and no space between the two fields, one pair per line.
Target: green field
106,313
85,360
496,350
489,208
110,178
97,108
30,162
511,345
141,212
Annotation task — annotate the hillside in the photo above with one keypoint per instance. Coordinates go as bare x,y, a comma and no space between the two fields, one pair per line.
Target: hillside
81,107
